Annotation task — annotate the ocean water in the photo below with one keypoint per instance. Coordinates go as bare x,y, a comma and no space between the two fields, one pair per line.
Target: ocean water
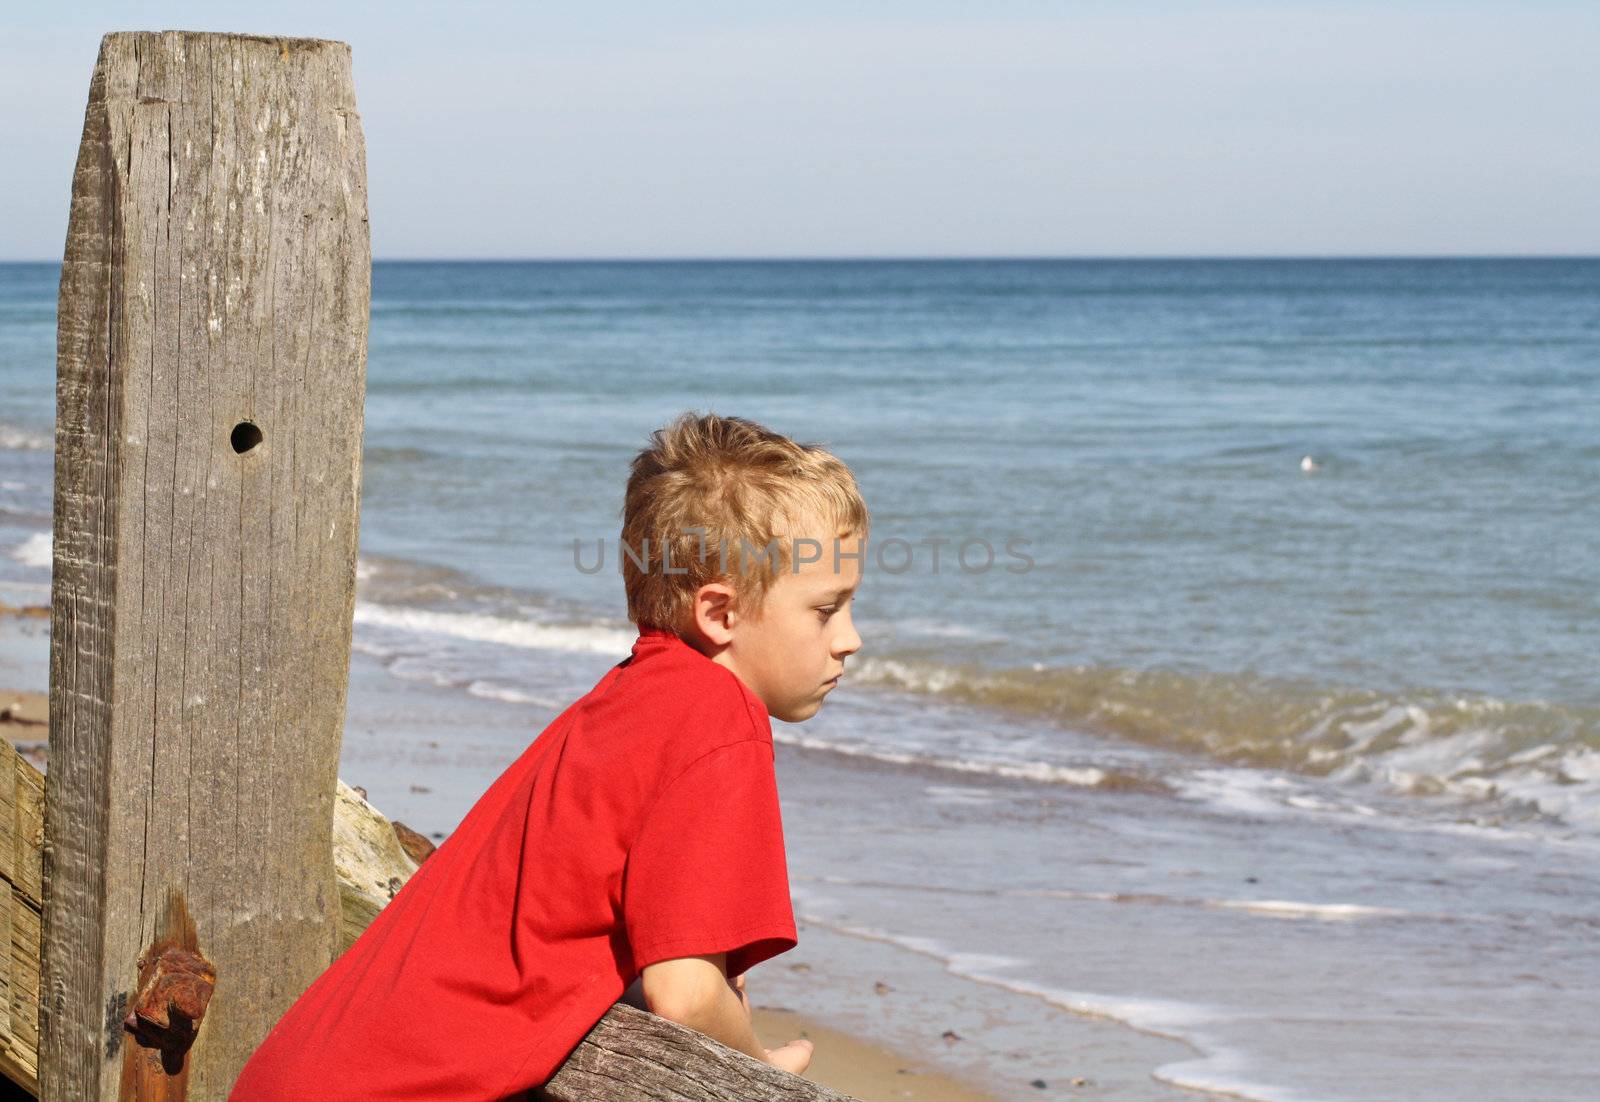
1296,763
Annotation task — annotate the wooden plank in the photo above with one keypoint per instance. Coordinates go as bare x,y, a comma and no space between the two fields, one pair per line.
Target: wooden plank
27,829
9,945
10,765
215,286
8,810
20,939
24,953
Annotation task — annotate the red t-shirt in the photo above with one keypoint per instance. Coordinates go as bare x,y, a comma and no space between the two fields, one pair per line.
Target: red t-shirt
641,825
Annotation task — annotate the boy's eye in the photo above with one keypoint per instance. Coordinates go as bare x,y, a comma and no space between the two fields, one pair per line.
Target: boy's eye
826,612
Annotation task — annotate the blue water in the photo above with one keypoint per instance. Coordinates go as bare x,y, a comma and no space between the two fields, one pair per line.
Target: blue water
1141,424
1406,633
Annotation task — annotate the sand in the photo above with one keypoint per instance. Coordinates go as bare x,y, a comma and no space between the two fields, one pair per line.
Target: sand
24,715
25,720
846,1063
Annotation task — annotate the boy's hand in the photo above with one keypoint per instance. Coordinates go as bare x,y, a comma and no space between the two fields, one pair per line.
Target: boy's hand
792,1057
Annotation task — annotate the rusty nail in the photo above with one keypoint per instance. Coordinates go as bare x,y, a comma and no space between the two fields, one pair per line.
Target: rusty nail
175,986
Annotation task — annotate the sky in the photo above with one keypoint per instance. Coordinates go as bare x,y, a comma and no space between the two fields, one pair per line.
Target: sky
918,128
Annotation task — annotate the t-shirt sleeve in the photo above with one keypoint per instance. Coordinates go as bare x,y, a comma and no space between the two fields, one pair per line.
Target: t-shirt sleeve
707,872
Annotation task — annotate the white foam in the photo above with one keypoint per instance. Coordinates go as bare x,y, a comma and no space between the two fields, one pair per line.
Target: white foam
1236,790
35,551
957,794
1271,908
489,690
366,646
1253,793
1086,776
409,667
1068,893
1324,912
1581,765
483,628
940,629
934,679
1565,787
1217,1070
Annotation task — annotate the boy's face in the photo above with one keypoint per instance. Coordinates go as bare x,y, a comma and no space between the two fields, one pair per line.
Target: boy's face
791,651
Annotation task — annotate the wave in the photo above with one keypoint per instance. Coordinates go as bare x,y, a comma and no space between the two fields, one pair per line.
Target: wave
491,690
1527,756
1503,761
484,628
1271,908
1268,908
1083,776
35,551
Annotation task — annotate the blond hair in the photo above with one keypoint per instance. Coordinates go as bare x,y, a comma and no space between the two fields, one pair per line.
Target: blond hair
748,488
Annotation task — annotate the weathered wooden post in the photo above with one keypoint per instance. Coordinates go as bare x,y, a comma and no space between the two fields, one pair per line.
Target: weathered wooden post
211,367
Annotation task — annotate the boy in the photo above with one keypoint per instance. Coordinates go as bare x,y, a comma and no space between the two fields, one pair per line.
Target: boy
636,846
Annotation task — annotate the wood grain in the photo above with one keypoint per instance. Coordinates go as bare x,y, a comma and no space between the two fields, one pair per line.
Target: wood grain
632,1056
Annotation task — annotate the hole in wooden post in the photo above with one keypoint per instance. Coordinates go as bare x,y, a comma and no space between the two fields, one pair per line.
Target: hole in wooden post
246,437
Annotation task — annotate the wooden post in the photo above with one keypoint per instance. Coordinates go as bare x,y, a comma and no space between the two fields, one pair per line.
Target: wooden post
211,368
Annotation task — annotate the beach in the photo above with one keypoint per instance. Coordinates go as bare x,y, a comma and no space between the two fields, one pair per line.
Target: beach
1231,774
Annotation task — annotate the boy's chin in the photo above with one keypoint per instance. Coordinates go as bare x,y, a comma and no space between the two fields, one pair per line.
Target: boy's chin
797,713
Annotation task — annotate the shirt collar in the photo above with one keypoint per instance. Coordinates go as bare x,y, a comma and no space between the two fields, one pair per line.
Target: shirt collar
652,637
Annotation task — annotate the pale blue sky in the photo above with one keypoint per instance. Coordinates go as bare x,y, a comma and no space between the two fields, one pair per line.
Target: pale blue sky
919,128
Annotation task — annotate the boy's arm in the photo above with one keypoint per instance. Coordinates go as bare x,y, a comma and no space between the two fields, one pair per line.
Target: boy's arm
695,993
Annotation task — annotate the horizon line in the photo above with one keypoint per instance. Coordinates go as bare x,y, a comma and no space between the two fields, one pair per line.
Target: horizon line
848,258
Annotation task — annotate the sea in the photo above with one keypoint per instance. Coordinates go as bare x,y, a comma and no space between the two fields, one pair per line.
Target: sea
1227,720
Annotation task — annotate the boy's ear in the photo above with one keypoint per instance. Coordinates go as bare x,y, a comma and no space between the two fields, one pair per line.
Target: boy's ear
714,613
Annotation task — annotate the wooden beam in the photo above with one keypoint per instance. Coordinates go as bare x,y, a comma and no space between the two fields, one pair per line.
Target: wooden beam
21,839
211,367
633,1056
